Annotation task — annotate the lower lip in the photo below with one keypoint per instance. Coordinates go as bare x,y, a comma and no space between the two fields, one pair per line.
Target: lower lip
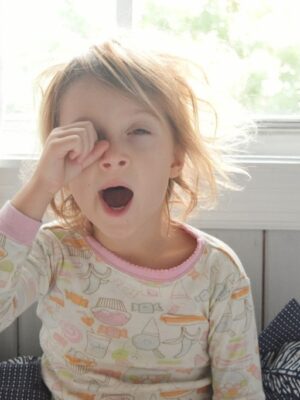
111,211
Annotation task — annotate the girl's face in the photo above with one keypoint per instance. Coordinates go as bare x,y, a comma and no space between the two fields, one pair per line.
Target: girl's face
141,155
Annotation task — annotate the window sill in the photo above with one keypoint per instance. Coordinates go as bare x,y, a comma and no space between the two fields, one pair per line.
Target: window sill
270,199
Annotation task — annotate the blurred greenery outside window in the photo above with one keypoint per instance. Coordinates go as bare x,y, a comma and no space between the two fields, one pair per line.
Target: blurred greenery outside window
251,47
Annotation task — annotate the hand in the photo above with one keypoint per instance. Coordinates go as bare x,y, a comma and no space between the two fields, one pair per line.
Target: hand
67,152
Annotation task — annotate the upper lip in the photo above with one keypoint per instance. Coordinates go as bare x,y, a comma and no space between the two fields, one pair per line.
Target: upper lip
115,183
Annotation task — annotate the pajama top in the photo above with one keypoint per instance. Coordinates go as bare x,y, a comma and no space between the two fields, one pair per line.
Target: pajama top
112,330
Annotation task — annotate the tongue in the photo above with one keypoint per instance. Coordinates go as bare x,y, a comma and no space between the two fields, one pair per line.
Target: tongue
117,196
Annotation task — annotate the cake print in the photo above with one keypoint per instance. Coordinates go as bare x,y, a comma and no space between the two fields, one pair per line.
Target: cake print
111,311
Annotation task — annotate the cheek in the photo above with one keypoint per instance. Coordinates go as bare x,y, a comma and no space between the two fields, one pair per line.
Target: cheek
79,187
142,144
158,151
157,160
155,177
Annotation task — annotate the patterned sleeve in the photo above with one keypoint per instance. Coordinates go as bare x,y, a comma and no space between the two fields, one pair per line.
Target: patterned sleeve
232,340
25,265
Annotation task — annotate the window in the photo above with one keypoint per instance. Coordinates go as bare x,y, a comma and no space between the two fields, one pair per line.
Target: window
257,41
33,35
253,48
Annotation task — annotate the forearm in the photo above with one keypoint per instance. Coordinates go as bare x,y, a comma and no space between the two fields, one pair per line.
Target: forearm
32,199
24,268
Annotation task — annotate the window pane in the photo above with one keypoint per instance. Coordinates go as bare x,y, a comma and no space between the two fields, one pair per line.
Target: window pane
34,35
252,47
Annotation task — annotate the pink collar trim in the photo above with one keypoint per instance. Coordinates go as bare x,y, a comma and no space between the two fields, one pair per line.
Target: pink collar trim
146,273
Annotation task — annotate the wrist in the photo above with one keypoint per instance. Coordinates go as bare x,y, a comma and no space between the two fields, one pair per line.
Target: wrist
35,184
32,199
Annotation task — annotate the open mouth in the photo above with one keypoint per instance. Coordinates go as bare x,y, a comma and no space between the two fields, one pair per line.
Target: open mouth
117,198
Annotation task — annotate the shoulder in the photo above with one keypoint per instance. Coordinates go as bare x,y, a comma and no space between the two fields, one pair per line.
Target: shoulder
222,268
63,236
219,257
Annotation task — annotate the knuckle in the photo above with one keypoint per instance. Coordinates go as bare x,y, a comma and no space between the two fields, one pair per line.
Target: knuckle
55,131
89,124
53,143
78,138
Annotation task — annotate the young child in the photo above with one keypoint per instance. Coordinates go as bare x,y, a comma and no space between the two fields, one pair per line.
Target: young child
135,304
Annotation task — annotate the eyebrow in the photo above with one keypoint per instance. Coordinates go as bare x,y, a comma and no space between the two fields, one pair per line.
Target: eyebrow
147,112
135,113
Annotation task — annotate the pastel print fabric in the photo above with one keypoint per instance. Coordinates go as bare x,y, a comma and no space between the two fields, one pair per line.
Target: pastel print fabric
113,330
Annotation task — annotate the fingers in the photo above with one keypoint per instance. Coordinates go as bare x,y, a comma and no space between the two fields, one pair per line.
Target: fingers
82,145
82,135
67,151
59,147
88,135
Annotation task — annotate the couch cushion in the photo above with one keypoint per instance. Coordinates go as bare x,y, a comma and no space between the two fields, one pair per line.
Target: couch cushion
20,378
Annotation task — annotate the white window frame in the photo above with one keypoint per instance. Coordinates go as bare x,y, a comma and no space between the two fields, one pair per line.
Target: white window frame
270,200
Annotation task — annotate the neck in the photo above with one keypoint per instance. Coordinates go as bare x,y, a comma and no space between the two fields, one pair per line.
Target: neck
143,247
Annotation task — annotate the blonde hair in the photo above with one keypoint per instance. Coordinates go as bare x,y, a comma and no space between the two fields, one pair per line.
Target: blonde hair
193,118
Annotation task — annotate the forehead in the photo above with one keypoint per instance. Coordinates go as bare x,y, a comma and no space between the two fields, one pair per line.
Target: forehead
88,97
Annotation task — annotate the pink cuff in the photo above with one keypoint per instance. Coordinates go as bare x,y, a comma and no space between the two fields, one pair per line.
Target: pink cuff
18,226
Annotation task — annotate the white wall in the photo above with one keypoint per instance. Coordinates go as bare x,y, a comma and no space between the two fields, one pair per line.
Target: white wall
268,248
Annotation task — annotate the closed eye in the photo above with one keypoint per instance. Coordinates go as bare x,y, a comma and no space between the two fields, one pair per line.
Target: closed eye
141,131
138,132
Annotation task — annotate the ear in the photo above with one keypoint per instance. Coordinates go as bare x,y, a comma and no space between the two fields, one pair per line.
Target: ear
178,163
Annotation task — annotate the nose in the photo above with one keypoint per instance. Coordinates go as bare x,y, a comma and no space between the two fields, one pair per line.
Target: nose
113,158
